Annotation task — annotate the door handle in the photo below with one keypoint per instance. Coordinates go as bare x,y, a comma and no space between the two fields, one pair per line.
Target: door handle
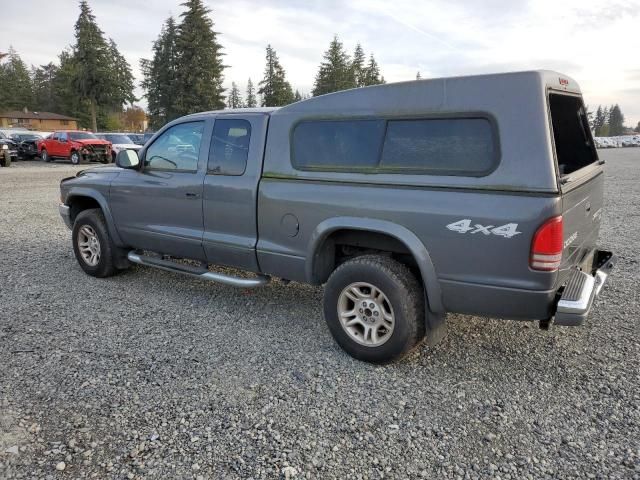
191,195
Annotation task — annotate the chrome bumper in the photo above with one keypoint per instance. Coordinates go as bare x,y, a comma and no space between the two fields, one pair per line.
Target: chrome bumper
65,213
582,289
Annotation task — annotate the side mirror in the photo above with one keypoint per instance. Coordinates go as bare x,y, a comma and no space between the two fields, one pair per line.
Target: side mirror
128,159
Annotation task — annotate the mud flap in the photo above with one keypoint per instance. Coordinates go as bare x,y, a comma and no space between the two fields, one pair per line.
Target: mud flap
435,325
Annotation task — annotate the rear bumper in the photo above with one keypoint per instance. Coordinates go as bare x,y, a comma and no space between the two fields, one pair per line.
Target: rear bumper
581,290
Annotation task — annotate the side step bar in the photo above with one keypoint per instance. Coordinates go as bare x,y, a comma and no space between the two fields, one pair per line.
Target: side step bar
200,273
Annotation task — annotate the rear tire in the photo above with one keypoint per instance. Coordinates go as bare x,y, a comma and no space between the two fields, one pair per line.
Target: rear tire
374,307
92,245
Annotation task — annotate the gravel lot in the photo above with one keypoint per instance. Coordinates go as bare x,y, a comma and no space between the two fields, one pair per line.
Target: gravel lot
153,375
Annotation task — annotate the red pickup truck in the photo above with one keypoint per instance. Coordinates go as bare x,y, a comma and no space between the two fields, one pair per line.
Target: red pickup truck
76,146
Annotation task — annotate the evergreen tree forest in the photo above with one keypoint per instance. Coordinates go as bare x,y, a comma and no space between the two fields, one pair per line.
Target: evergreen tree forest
608,121
185,73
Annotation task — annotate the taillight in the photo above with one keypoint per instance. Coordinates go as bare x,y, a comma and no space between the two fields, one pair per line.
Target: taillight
546,248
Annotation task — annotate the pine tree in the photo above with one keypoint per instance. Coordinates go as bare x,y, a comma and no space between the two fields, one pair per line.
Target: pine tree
252,101
372,73
45,98
297,96
335,72
637,129
598,121
274,88
121,81
16,92
234,100
616,121
418,76
357,66
200,71
91,59
160,78
64,91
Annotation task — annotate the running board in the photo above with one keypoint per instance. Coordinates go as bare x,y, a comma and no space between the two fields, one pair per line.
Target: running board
201,273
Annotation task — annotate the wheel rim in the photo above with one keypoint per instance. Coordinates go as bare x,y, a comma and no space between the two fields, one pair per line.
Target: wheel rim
75,158
44,155
366,314
89,245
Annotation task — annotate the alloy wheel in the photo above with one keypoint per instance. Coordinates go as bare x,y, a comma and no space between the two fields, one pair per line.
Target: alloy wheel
89,245
366,314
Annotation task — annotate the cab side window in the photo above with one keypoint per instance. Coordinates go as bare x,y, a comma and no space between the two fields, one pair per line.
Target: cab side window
229,147
62,136
177,148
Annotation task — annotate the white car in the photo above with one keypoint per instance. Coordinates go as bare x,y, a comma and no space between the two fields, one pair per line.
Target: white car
119,141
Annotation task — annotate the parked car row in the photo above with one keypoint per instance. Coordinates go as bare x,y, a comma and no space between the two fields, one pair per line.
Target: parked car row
73,145
618,142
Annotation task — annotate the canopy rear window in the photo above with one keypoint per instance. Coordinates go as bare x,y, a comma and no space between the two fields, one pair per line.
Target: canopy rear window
573,141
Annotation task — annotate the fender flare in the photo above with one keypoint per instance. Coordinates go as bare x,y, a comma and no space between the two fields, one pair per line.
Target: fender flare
104,206
402,234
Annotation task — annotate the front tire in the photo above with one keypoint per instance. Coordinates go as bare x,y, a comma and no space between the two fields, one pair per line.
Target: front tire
374,307
75,157
44,156
92,245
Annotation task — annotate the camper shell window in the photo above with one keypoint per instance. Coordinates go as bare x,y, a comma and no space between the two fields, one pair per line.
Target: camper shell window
428,146
571,133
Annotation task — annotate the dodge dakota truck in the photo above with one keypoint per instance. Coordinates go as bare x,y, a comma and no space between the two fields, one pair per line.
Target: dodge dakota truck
479,195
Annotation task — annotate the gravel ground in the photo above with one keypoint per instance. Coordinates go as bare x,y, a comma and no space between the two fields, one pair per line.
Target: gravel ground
152,375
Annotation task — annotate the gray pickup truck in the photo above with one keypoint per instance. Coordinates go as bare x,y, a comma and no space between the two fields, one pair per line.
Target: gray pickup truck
480,195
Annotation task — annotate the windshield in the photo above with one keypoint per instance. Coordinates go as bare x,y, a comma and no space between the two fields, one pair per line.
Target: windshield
27,136
82,136
117,138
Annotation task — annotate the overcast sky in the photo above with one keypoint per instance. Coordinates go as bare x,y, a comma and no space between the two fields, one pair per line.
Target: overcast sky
597,42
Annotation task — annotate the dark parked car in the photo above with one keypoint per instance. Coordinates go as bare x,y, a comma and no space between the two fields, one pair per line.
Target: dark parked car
10,146
137,138
140,138
27,144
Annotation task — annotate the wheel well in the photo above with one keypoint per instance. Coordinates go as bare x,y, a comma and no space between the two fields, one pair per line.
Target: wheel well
79,204
345,244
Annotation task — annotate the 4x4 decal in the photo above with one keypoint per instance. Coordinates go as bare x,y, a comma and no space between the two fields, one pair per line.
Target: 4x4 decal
507,230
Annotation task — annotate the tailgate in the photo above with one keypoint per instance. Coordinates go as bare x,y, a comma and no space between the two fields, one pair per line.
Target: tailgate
581,213
581,179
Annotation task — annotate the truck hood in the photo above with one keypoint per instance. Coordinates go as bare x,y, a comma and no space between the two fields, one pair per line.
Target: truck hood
98,171
125,146
91,141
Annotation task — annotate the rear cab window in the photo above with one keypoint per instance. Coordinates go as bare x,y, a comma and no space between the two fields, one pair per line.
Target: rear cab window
229,148
574,145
